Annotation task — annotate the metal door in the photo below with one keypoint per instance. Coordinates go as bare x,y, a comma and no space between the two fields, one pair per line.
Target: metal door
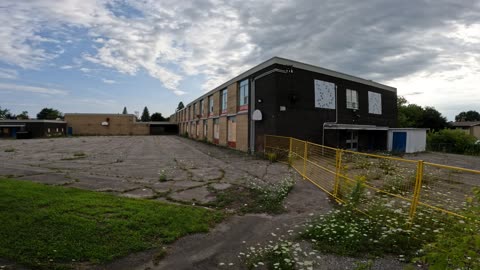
399,143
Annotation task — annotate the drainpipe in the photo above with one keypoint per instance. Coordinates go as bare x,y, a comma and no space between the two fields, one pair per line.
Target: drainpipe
336,116
252,105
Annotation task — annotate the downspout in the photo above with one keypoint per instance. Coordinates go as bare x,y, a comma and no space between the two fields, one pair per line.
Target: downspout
336,116
252,105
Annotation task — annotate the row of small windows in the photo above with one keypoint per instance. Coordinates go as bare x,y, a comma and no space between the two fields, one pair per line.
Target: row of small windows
243,100
374,101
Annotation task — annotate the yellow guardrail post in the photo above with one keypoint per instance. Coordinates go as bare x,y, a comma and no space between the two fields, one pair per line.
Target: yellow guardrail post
417,189
338,165
305,155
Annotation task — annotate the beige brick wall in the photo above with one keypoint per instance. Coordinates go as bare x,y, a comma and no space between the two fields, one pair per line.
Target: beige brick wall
232,100
242,132
223,131
119,124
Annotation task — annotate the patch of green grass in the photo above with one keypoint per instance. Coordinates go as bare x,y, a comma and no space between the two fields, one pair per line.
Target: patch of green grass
48,227
79,154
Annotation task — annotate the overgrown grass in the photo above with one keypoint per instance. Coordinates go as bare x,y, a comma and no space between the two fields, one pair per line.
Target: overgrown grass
51,227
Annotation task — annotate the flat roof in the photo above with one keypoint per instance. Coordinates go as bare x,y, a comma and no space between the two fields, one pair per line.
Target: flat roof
465,124
100,114
296,64
354,127
33,121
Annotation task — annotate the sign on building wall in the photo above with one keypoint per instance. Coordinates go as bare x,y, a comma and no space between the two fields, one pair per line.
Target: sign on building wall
374,103
324,95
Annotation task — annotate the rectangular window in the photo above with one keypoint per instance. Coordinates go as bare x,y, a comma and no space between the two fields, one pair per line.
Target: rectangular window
194,110
352,99
205,128
374,103
232,131
210,105
224,100
201,107
216,130
243,99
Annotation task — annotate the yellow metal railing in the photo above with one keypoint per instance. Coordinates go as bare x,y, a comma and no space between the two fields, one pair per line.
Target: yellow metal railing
410,185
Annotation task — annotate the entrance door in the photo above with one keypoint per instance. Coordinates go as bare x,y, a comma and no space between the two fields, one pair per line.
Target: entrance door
399,142
352,140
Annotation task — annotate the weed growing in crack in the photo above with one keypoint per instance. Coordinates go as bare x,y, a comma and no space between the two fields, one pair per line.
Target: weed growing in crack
163,176
9,150
269,197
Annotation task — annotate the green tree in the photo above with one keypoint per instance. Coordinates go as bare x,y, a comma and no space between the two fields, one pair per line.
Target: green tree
468,116
49,114
145,115
23,116
413,115
157,117
433,119
124,110
180,106
4,113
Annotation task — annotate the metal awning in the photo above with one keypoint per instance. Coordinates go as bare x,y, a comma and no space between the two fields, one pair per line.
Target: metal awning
354,127
11,126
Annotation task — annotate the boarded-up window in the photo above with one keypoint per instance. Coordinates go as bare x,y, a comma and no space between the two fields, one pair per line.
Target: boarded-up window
205,128
374,103
216,129
324,95
198,128
232,129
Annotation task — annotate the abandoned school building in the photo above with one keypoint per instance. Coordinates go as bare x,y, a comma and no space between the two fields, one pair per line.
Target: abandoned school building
289,98
26,129
98,124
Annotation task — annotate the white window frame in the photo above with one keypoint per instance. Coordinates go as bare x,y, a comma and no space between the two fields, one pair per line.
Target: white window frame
224,99
210,104
352,99
243,93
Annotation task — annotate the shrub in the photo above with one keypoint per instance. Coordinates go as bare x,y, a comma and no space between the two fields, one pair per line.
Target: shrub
272,156
452,140
458,247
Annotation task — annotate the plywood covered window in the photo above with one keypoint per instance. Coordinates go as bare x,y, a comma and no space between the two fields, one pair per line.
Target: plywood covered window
216,129
325,94
243,95
205,128
232,131
352,99
374,103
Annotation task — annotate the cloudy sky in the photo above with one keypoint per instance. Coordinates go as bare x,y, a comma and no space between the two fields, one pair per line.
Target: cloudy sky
99,56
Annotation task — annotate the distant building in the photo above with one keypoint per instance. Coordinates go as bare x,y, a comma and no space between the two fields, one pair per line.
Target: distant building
289,98
470,127
32,128
98,124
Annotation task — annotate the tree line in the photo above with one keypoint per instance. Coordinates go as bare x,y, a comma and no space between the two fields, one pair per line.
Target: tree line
413,115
